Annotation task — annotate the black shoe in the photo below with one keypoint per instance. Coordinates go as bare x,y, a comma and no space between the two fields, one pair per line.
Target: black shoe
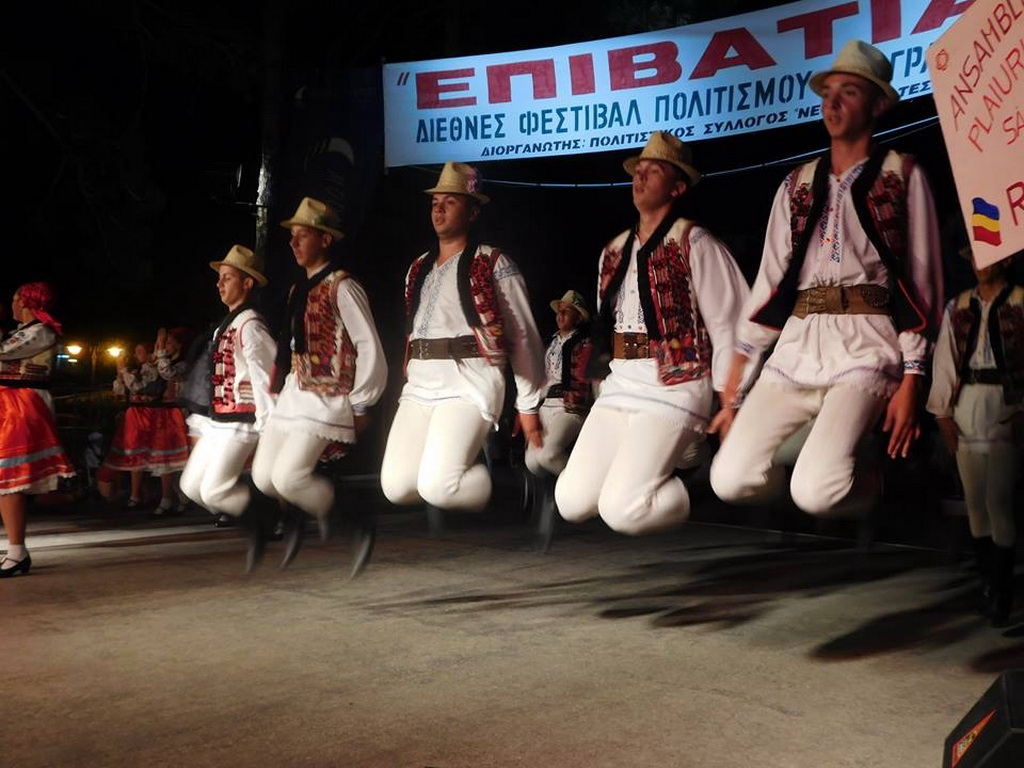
21,566
294,531
364,535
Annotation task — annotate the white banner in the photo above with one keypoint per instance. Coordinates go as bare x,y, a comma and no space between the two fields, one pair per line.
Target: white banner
719,78
977,69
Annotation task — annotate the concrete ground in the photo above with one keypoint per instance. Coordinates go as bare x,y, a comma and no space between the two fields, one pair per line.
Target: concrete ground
140,642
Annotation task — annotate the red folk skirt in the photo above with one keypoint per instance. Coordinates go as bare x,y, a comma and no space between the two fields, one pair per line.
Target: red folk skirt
150,438
31,458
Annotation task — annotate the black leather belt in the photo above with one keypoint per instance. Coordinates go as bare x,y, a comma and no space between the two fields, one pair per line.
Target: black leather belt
444,349
555,391
983,376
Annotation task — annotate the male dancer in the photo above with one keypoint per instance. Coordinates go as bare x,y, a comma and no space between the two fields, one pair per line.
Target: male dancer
330,369
668,298
468,315
240,401
850,289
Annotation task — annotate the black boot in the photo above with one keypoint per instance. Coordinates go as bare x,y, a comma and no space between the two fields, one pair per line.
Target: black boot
364,535
294,530
255,524
547,514
983,564
1003,561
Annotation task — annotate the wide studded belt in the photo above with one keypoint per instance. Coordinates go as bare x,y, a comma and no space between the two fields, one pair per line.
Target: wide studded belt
630,346
983,376
455,348
865,299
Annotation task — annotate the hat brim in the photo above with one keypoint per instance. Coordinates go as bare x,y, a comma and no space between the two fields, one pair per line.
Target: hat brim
260,279
289,223
558,303
817,81
693,176
480,197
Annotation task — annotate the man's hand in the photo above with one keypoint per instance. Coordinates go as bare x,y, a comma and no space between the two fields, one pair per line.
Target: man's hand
901,417
529,425
950,433
722,422
729,397
361,421
161,340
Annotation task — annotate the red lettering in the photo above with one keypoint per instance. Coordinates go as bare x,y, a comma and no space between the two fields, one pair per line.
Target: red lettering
938,11
1016,202
817,27
661,57
499,79
429,89
581,73
716,57
885,21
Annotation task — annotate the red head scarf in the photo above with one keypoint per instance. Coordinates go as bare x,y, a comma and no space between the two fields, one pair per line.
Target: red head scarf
39,298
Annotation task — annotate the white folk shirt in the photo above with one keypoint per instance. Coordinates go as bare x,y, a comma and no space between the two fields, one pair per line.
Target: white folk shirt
553,367
721,291
332,417
254,360
29,341
473,379
981,412
863,351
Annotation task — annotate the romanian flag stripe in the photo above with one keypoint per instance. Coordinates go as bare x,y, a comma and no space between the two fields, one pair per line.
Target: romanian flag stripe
978,220
985,208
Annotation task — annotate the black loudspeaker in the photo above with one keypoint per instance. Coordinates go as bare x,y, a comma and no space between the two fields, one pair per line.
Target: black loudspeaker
991,735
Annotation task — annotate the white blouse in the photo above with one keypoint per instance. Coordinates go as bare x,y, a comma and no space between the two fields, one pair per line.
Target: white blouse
474,380
981,413
821,350
721,291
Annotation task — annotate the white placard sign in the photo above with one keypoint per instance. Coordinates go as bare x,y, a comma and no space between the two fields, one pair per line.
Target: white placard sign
718,78
977,70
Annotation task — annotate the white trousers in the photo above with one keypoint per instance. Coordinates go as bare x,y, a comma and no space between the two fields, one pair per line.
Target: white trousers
989,480
431,456
283,469
621,469
823,476
211,476
560,431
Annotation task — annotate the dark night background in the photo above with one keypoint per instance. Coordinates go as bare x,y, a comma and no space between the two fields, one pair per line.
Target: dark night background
135,131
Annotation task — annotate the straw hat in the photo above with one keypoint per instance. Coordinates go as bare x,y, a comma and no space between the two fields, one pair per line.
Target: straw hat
313,213
574,300
667,148
859,58
460,179
241,258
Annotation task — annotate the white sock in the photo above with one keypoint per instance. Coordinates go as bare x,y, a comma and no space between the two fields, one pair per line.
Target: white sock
16,553
166,504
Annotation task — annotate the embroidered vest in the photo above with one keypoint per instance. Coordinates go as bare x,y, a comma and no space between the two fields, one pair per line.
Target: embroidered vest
30,372
328,366
1005,334
577,394
475,278
880,199
675,327
232,398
